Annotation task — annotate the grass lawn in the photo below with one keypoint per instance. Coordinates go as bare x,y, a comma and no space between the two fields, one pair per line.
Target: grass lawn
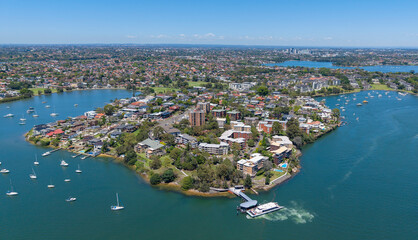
380,87
275,175
35,90
196,84
164,89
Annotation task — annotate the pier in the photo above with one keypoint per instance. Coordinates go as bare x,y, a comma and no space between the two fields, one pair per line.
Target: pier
248,202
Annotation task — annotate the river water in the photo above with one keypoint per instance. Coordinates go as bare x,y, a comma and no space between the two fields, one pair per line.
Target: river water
313,64
358,182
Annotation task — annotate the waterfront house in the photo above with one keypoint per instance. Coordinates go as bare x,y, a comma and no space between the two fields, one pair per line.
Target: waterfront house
150,148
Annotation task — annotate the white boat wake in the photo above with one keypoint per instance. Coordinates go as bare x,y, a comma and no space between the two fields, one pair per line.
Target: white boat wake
295,213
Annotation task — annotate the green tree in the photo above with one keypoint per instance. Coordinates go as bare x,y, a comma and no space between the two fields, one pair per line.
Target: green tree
293,129
250,143
130,157
277,128
187,183
155,179
267,182
168,176
336,113
109,109
155,163
262,90
26,92
248,183
158,132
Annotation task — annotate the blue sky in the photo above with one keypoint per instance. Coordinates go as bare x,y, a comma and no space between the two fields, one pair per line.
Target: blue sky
358,23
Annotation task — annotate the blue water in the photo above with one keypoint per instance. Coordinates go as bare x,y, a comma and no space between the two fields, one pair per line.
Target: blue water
358,182
312,64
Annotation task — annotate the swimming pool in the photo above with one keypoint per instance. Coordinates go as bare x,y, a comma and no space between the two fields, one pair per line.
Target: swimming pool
278,170
284,165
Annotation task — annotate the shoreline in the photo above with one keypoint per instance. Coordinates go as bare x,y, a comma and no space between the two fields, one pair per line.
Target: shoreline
13,99
173,186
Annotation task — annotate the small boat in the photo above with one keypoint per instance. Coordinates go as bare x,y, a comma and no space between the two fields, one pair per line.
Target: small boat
44,102
380,95
63,163
264,209
22,123
9,115
54,114
47,106
35,115
4,171
67,180
337,104
36,163
70,199
31,109
33,175
354,99
76,105
11,192
46,154
78,170
82,158
51,186
117,207
359,104
365,101
22,119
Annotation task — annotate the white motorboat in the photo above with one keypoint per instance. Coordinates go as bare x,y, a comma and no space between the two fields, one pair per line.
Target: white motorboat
4,171
46,154
264,209
67,180
70,199
51,186
9,115
47,106
118,206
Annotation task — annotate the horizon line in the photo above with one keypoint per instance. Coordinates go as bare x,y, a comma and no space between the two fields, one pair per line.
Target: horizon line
205,45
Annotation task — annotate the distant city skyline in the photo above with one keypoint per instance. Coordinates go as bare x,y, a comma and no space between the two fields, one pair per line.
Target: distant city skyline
322,23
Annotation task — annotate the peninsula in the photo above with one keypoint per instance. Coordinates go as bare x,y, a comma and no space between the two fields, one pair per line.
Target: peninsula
198,141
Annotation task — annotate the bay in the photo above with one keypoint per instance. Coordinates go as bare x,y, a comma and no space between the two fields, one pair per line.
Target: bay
358,182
